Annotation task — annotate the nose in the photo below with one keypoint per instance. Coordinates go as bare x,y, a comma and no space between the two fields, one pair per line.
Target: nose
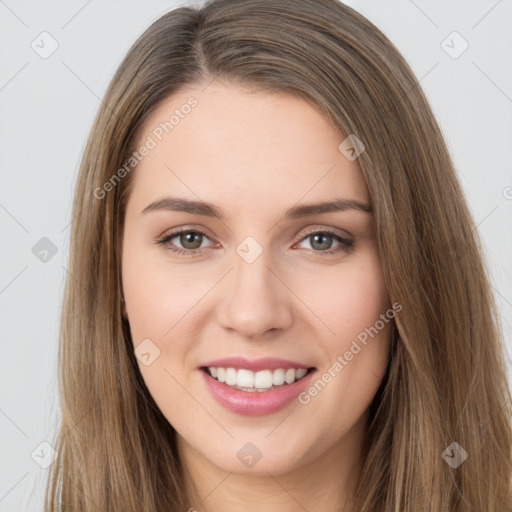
255,299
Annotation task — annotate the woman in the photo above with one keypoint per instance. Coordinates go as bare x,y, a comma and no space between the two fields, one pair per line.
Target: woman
277,295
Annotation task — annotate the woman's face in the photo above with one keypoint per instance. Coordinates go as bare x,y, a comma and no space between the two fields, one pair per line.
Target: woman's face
258,282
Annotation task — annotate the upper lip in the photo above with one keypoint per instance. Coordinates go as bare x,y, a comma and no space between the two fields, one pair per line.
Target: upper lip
265,363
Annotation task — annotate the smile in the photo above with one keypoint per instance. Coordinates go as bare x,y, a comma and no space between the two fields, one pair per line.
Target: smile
268,387
261,381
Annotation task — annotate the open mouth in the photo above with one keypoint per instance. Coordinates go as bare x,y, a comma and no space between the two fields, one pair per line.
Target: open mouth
259,381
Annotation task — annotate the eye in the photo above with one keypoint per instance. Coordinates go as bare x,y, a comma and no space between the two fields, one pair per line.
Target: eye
190,240
321,242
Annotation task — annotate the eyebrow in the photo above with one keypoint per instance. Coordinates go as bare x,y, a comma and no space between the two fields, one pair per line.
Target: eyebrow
210,210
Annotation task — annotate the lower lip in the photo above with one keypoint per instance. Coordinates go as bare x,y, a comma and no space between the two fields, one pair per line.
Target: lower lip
255,403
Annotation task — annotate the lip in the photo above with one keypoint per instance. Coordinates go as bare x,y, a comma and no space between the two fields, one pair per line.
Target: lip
256,403
265,363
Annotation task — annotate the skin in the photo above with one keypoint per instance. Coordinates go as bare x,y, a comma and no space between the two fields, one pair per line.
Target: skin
255,154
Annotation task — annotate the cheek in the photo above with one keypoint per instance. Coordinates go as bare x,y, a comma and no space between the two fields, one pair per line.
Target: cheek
361,300
348,299
157,298
157,294
355,342
357,355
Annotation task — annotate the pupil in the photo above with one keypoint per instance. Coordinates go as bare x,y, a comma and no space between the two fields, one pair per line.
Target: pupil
325,245
187,238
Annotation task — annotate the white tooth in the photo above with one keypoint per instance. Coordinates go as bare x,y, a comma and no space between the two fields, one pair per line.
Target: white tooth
263,379
278,377
221,374
289,376
230,376
245,378
300,373
259,381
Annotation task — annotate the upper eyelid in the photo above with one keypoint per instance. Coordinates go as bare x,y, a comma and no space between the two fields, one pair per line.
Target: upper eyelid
184,229
336,231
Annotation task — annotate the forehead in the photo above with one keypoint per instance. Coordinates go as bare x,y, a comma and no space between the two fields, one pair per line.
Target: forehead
243,148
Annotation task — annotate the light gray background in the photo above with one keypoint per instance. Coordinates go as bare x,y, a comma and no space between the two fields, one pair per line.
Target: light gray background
48,106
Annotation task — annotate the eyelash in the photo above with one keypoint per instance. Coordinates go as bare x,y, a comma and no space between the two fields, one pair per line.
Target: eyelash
345,244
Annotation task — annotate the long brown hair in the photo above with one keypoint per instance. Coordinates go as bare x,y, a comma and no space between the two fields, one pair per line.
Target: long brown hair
446,380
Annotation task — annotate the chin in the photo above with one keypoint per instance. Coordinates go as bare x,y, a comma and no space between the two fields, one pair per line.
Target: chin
254,459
